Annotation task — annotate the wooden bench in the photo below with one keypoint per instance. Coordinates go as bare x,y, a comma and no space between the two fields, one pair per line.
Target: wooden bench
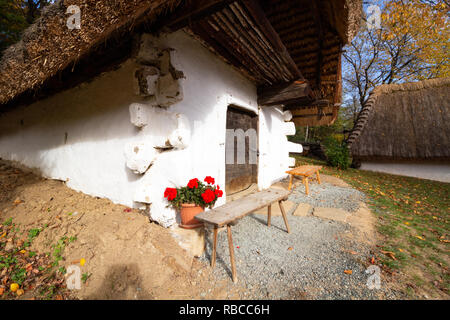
305,172
230,212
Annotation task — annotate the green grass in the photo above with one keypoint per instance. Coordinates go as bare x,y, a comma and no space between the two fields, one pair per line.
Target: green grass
413,218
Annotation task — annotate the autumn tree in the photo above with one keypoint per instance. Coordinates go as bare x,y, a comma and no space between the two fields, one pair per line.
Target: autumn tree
410,44
16,16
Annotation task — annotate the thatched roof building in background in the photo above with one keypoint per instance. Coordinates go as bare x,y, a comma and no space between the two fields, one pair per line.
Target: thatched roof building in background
290,49
403,122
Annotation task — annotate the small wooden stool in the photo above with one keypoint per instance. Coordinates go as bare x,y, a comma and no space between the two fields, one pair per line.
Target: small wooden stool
305,172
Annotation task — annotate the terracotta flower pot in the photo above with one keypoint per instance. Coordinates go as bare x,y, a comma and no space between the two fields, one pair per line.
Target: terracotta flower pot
188,212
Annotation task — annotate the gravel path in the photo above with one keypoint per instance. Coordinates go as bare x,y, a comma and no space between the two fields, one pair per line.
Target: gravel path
329,196
309,263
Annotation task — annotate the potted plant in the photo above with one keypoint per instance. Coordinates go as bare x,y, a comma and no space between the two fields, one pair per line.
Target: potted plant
193,199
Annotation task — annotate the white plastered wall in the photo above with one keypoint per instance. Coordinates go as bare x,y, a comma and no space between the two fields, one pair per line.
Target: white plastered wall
82,135
431,170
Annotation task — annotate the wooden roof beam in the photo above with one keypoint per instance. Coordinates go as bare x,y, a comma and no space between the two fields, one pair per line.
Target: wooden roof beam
292,92
192,11
255,10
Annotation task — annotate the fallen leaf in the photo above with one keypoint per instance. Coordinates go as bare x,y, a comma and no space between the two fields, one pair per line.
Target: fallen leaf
389,254
82,262
2,290
19,292
348,271
17,201
372,261
419,237
353,252
23,251
290,248
14,287
58,297
127,210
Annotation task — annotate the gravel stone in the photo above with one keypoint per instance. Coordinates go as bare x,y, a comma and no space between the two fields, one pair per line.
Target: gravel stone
312,269
329,196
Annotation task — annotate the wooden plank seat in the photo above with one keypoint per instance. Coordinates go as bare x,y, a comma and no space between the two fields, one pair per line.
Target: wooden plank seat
230,212
305,172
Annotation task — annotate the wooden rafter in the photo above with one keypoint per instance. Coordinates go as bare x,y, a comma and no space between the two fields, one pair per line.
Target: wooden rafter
265,26
289,93
192,11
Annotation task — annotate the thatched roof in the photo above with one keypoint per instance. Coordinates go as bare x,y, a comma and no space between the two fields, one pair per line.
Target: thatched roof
404,121
274,43
49,46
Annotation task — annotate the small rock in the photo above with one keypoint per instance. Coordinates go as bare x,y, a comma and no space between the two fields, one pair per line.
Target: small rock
9,246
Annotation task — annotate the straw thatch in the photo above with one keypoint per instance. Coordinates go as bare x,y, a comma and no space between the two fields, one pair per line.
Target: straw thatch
404,121
49,46
307,45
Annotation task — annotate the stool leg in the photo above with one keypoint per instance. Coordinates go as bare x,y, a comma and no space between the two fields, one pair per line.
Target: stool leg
230,246
213,258
318,177
306,186
269,214
291,179
284,216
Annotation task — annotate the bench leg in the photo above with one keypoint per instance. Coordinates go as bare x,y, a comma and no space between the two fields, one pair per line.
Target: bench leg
318,177
269,214
284,216
230,246
291,179
213,257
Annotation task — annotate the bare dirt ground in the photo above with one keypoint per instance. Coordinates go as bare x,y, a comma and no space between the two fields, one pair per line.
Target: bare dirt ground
127,257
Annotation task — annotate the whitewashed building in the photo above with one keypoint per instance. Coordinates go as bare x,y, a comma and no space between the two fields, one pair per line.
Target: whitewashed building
141,96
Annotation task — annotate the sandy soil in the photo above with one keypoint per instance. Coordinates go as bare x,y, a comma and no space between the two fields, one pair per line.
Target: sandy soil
127,256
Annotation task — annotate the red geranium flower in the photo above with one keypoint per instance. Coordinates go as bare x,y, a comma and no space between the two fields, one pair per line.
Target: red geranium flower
193,183
170,193
209,180
208,196
218,192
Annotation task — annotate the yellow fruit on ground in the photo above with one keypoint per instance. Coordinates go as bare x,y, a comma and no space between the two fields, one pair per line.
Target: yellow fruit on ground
13,287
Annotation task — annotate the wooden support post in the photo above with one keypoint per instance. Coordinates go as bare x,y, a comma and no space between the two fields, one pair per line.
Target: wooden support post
230,246
284,216
213,258
318,177
269,214
291,179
